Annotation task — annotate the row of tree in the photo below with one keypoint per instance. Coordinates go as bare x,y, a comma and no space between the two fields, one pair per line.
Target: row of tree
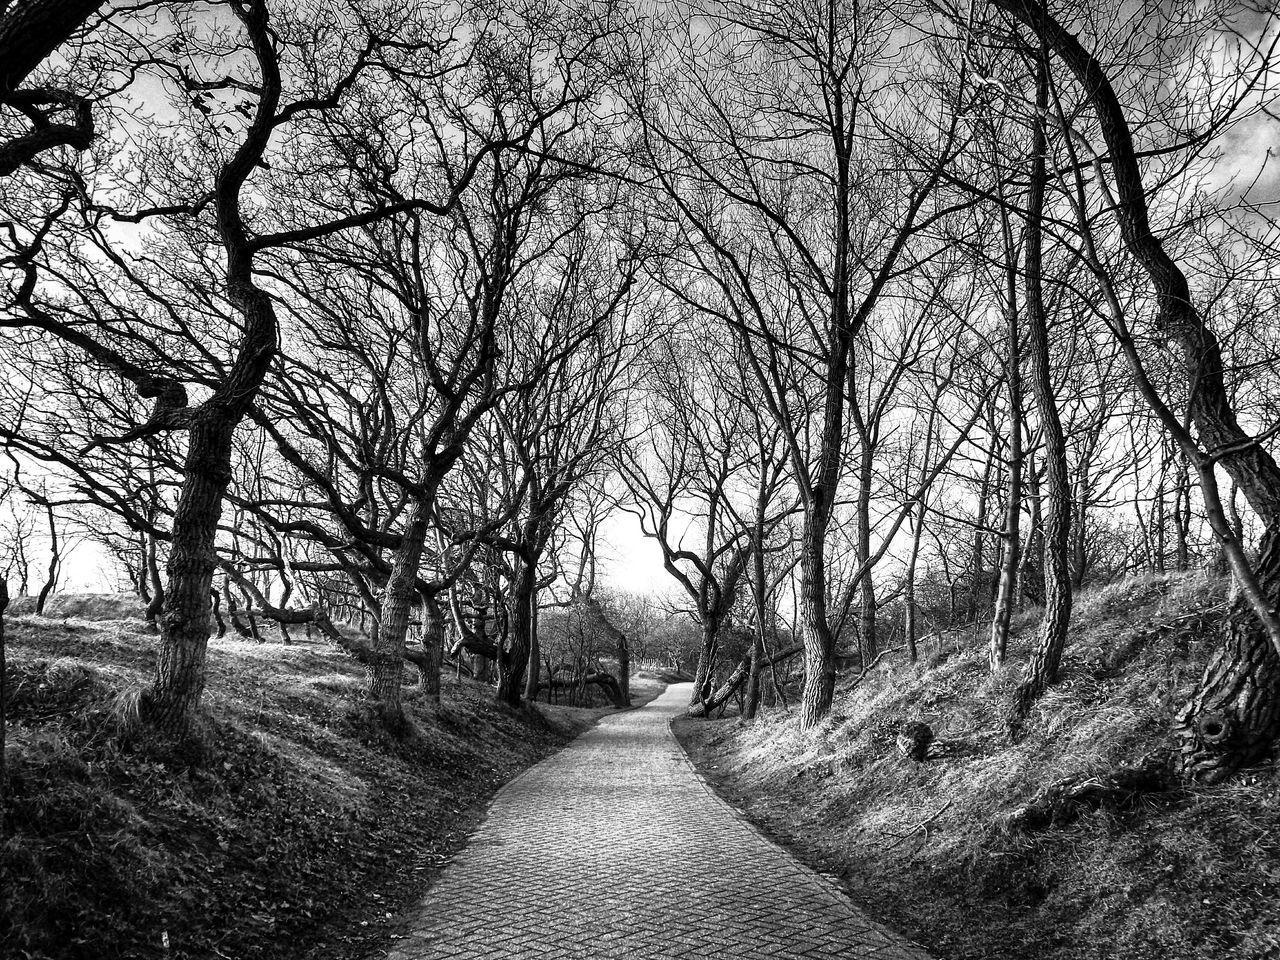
370,314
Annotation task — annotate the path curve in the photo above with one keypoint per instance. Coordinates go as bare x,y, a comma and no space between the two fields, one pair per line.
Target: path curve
615,849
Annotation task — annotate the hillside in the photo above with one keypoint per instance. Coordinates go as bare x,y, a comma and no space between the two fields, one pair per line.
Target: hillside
929,848
302,834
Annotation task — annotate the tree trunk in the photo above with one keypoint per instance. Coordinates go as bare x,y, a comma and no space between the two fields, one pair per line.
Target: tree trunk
1030,572
705,675
1079,530
533,678
216,605
386,667
432,645
1009,562
867,645
758,588
55,555
819,645
623,652
1042,670
1232,720
977,562
513,659
1182,516
910,630
233,612
184,629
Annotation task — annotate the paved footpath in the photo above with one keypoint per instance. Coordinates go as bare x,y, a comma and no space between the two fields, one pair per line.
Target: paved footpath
615,848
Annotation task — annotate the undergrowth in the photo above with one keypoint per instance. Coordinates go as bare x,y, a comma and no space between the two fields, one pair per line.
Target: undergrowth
927,847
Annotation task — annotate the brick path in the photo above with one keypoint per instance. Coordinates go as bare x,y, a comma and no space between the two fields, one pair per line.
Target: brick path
614,848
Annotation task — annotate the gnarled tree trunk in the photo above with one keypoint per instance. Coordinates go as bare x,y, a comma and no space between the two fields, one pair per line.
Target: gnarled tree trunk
513,659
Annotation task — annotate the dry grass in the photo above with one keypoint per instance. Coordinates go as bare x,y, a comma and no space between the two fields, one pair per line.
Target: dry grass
1189,874
301,834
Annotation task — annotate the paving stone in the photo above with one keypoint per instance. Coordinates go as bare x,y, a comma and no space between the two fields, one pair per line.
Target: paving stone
615,849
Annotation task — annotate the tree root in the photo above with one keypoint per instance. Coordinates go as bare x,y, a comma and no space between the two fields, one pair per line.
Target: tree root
1066,800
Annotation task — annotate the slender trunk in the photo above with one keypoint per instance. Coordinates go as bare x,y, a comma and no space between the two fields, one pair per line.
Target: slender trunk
862,544
386,664
1042,670
254,632
1079,532
233,611
55,556
1182,517
909,628
1009,563
977,563
622,648
1033,554
217,611
758,587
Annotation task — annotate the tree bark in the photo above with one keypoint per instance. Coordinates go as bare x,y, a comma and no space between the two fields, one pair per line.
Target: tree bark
155,604
1010,557
977,562
819,652
513,659
386,669
705,674
1042,670
432,645
909,628
532,680
758,588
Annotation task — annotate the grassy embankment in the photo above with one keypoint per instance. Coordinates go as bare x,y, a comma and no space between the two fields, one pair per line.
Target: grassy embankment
303,834
928,848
